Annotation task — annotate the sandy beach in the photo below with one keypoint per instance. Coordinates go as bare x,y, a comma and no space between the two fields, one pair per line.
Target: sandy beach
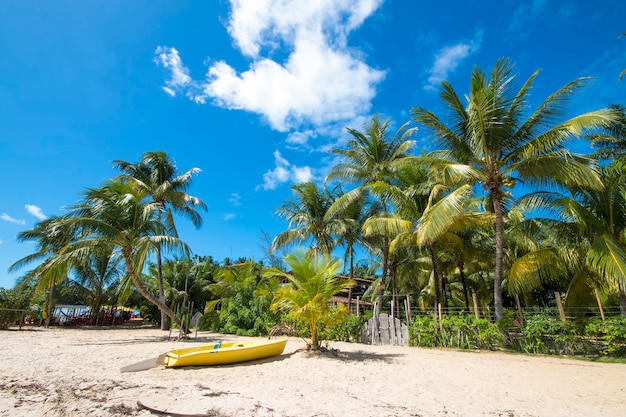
76,372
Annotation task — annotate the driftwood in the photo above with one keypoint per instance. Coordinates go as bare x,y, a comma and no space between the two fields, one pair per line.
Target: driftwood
154,410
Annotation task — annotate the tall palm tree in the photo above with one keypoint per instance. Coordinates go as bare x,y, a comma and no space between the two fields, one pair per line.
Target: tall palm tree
51,237
352,217
156,174
313,282
370,160
308,218
487,141
119,215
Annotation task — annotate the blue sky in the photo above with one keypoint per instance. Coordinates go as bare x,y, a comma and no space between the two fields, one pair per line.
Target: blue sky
253,92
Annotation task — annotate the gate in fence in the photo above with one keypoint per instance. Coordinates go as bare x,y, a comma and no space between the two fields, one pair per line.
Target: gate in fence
385,330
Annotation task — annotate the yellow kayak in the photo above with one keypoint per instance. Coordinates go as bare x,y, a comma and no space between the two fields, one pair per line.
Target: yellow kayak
223,353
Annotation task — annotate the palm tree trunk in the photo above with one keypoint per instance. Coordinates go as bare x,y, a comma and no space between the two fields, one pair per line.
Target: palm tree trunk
461,267
165,325
351,255
142,290
50,306
383,277
433,258
497,280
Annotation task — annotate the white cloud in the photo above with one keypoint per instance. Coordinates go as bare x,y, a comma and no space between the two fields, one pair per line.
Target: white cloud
284,172
179,74
321,81
10,219
449,58
235,199
35,211
229,216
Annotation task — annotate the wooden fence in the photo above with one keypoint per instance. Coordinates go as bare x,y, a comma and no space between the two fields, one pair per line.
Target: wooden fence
387,330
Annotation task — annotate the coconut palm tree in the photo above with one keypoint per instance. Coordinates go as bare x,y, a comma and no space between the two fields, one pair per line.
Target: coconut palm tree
156,174
611,141
119,215
370,160
487,141
308,218
313,281
96,277
590,243
50,237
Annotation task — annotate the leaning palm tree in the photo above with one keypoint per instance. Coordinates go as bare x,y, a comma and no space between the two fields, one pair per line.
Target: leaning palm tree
313,281
308,218
487,141
371,159
156,174
120,216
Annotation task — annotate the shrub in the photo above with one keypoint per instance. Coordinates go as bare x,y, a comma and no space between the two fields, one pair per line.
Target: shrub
347,329
460,332
12,299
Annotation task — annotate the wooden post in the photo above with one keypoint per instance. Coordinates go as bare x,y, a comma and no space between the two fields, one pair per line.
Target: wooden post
440,309
476,310
357,305
408,310
557,296
595,290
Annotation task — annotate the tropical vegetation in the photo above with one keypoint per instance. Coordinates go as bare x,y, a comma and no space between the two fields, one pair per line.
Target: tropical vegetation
496,220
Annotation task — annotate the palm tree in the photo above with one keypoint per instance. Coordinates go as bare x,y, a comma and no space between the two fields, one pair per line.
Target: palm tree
51,237
371,160
96,278
118,215
488,142
611,141
156,174
350,234
313,282
308,218
590,244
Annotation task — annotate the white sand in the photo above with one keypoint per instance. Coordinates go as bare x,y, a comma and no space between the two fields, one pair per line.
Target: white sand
76,372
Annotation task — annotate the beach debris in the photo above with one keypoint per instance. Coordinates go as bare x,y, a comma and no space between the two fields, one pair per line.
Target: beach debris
165,412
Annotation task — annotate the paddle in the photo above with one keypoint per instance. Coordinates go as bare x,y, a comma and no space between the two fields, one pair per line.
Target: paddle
143,365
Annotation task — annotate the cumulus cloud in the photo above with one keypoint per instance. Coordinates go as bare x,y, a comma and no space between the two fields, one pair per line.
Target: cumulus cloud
448,59
10,219
320,81
284,172
35,211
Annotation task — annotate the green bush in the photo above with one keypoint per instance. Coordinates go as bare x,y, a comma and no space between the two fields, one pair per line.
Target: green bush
460,332
347,329
611,334
13,299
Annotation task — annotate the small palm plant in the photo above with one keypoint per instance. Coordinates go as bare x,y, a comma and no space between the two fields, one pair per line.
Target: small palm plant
313,281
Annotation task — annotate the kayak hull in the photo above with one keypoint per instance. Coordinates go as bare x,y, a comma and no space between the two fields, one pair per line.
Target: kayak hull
223,353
